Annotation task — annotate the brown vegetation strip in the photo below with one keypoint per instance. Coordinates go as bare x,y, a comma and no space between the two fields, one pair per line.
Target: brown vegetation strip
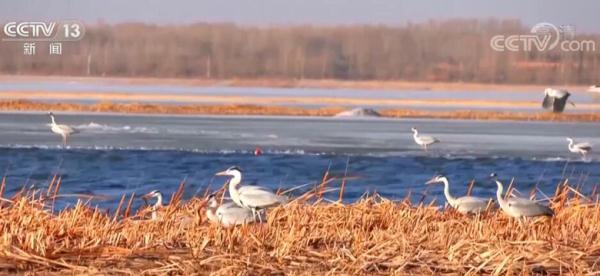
241,109
372,236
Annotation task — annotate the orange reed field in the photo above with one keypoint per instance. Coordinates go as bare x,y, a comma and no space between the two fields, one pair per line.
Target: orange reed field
309,235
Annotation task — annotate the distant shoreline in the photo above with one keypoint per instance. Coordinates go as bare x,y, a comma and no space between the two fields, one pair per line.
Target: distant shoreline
392,85
263,110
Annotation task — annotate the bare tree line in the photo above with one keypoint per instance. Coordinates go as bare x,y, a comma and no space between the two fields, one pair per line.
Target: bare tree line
454,51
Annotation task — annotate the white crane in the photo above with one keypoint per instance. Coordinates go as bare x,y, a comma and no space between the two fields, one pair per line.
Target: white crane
63,130
423,140
229,214
520,207
159,204
581,148
556,99
464,205
253,198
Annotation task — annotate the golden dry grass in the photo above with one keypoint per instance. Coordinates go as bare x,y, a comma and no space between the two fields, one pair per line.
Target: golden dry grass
371,236
247,109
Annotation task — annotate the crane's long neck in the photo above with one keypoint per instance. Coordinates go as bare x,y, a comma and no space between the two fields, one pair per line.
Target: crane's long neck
499,196
52,118
451,200
415,134
157,205
571,144
233,187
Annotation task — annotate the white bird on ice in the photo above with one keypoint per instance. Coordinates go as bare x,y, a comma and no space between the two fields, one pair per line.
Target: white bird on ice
581,148
63,130
423,140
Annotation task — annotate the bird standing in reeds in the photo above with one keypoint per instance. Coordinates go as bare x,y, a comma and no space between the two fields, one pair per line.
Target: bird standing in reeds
464,205
229,214
519,207
157,205
254,198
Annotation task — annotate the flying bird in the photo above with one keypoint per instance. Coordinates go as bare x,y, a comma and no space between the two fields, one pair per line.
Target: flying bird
63,130
556,99
423,140
464,205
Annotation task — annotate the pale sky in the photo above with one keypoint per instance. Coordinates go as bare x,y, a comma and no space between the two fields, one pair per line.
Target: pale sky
579,13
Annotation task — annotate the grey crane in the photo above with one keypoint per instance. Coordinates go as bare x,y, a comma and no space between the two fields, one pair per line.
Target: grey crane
157,205
581,148
423,140
253,198
63,130
556,99
464,205
229,214
519,207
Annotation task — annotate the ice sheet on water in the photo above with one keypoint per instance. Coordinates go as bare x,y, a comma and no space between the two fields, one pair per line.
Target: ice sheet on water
95,127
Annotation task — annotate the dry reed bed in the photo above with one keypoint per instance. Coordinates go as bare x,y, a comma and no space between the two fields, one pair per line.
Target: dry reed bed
240,109
306,236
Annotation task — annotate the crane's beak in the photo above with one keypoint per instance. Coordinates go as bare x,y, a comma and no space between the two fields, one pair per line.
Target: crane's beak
431,181
572,103
223,173
147,196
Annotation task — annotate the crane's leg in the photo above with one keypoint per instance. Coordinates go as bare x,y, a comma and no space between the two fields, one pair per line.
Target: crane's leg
254,214
64,140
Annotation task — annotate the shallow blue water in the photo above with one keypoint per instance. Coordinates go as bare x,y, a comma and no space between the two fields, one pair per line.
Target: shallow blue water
115,155
117,172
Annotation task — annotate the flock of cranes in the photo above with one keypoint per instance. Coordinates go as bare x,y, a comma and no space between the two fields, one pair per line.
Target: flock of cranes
513,206
248,203
424,141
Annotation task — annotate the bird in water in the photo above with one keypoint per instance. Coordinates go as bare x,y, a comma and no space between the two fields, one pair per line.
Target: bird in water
229,214
464,205
556,99
423,140
254,198
519,207
157,205
581,148
63,130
